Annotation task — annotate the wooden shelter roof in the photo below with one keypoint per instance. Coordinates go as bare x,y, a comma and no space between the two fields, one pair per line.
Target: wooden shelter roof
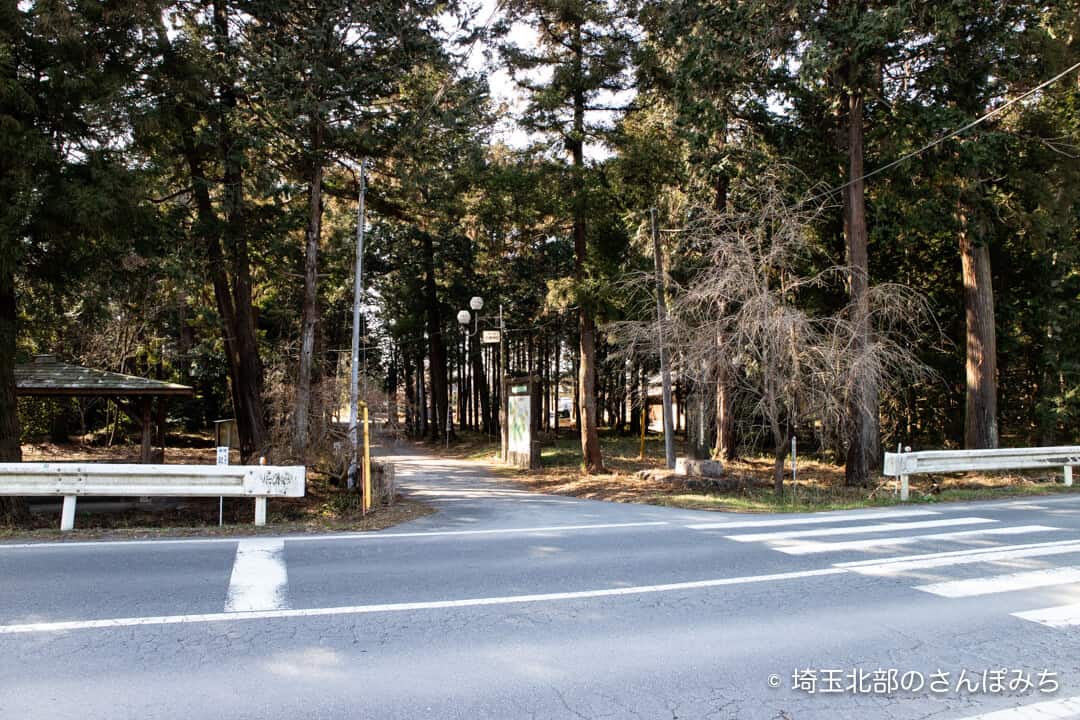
48,376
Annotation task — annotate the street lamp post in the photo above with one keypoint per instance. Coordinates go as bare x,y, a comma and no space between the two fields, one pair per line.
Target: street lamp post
464,317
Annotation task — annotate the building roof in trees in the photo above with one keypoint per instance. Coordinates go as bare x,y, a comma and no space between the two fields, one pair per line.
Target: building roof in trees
48,376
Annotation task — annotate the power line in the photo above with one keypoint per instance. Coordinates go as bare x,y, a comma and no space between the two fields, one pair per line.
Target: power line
949,135
451,76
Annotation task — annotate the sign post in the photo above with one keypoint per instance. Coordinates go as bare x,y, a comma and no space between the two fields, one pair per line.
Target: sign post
224,431
521,449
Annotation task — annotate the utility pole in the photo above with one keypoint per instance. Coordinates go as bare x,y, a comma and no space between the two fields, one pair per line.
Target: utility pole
502,385
661,317
358,293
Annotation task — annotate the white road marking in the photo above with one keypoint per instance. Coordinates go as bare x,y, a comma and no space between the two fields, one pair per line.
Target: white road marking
810,546
1063,709
1061,616
858,529
818,519
1004,583
899,565
320,538
259,578
497,531
413,606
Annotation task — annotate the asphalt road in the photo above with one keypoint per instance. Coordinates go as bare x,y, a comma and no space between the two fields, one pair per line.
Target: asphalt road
506,604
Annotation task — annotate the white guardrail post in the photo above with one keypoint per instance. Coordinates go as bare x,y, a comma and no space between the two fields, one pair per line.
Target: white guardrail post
905,488
67,513
72,480
903,464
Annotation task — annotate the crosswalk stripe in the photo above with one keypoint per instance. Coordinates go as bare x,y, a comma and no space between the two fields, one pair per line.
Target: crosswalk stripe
259,578
1009,582
1062,709
818,519
858,529
806,547
896,566
1061,616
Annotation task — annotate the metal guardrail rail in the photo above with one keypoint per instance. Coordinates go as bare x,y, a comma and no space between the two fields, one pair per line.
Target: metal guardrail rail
905,464
72,480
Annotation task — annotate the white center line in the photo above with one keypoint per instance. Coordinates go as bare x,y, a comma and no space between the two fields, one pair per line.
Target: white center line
76,544
806,547
1010,582
412,606
259,579
858,529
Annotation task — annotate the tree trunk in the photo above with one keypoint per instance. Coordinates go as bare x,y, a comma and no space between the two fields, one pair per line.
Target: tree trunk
480,379
725,418
779,453
980,423
558,379
592,461
12,509
410,397
863,414
440,399
575,368
421,397
234,303
310,306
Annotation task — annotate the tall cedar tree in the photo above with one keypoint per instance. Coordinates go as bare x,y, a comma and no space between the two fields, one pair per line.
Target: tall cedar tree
196,116
325,73
711,59
848,44
584,46
62,67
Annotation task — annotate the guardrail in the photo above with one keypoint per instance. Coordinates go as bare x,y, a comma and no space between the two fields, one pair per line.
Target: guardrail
72,480
947,461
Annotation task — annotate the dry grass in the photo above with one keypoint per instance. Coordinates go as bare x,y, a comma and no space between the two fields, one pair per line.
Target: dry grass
747,483
324,507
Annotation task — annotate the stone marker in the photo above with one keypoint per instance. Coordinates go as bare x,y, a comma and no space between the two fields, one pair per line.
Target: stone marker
699,468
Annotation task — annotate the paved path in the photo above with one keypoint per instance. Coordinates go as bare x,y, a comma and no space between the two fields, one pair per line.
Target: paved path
507,604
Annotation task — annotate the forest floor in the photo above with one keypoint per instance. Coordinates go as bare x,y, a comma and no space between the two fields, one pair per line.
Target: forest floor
324,507
747,485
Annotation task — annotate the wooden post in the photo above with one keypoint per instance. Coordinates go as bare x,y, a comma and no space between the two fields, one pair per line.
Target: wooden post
644,424
147,429
367,487
161,422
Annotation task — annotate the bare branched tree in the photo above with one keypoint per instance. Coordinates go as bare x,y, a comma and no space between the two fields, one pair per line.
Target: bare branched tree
744,312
